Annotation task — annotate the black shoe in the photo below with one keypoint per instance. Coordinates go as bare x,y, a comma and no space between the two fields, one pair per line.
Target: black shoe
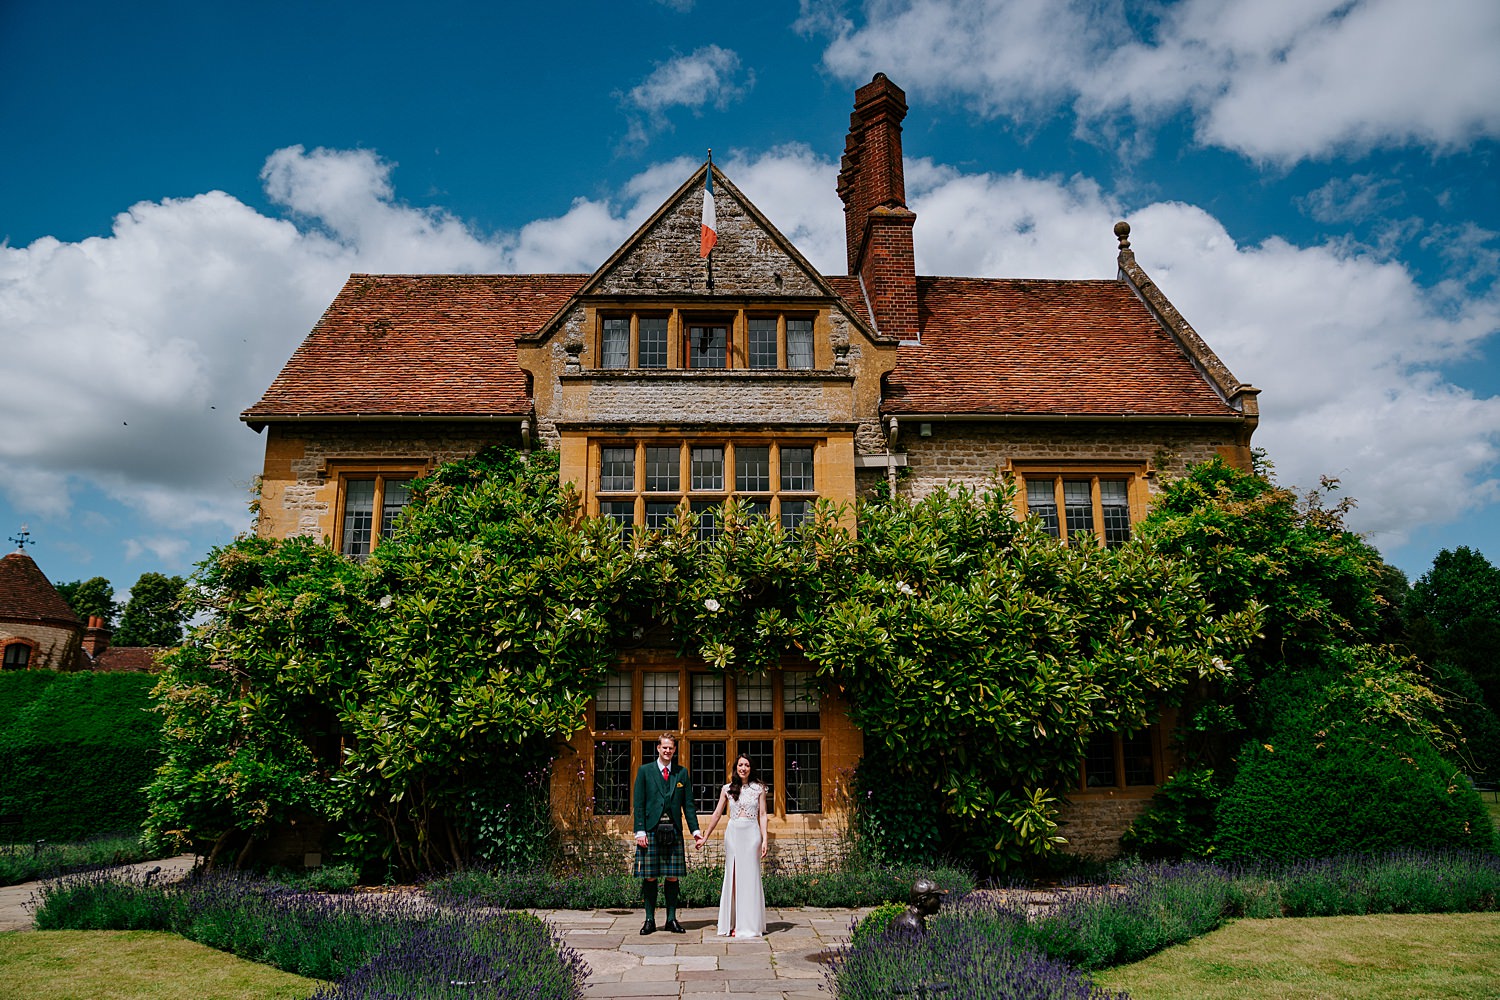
675,927
649,927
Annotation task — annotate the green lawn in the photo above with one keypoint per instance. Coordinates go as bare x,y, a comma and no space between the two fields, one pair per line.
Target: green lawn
1400,957
133,965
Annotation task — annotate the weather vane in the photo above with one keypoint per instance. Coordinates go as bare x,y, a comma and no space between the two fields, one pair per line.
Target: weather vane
21,539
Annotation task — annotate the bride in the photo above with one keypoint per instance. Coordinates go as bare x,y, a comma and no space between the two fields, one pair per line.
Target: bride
742,904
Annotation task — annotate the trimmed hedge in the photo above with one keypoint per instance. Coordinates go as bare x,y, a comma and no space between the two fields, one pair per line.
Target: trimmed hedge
76,752
1303,794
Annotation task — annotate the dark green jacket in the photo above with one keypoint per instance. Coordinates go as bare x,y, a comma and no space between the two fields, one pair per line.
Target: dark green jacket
653,796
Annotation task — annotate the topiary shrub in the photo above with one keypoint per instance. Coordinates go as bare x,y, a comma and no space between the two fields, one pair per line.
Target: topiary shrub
876,922
1305,794
1179,823
75,758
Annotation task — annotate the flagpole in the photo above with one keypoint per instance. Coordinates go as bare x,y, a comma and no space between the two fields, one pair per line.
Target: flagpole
710,249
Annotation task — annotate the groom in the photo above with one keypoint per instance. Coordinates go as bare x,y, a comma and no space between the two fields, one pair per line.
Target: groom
663,796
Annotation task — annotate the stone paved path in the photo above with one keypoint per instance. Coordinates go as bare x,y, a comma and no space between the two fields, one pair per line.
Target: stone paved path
15,900
789,963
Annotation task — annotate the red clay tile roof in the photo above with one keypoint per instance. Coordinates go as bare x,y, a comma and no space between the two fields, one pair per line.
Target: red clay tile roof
25,593
444,345
1025,346
430,344
129,659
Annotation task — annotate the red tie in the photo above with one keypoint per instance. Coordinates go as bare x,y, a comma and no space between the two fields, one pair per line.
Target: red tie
665,774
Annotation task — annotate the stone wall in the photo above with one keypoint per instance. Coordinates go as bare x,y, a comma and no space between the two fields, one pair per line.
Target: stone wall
53,647
977,452
747,261
1094,824
299,487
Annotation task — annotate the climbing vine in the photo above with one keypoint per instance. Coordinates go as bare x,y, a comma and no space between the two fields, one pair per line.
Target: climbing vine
977,656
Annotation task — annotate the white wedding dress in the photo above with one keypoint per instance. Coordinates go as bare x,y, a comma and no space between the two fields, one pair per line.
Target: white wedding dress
742,904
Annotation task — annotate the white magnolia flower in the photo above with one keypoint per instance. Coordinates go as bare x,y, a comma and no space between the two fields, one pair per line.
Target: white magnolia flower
576,614
905,588
385,601
711,604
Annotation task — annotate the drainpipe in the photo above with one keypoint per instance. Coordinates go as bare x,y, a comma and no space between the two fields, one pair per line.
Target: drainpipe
892,432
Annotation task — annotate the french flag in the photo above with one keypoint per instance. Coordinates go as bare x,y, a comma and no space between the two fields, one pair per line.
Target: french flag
710,220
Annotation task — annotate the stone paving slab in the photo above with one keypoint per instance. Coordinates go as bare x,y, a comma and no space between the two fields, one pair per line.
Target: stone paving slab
788,963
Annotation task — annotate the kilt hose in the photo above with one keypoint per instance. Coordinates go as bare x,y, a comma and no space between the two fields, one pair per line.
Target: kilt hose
666,862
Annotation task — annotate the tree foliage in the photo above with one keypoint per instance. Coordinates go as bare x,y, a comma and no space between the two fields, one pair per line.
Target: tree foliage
1453,614
154,613
92,597
976,653
1323,684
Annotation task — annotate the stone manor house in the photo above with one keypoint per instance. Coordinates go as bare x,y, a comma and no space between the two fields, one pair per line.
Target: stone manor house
665,378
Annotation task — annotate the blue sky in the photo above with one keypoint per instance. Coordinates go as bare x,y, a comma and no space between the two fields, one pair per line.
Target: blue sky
185,186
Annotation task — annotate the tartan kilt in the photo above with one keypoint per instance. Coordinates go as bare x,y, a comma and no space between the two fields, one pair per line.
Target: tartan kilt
669,862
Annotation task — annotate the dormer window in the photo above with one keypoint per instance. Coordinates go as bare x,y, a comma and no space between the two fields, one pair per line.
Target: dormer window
708,345
768,333
751,339
633,342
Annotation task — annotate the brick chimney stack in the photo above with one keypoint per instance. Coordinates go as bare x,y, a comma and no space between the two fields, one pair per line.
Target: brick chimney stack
95,637
877,223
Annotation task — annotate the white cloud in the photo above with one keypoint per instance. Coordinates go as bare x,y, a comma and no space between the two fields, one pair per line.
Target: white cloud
709,77
140,348
1351,199
164,550
1276,80
1345,344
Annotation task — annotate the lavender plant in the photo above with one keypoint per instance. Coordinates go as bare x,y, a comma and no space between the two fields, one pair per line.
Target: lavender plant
367,946
969,952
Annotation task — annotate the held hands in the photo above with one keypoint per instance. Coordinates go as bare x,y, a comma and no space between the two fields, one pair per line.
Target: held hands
698,839
640,841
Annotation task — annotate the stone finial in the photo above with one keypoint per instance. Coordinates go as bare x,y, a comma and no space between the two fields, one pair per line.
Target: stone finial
1122,230
573,348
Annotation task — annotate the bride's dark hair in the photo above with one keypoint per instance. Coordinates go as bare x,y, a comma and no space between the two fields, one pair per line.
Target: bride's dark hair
735,784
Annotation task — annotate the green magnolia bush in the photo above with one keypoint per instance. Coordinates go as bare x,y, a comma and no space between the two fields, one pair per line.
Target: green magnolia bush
976,653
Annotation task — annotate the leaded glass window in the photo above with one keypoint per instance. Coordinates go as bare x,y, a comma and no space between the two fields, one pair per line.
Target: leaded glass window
616,342
799,343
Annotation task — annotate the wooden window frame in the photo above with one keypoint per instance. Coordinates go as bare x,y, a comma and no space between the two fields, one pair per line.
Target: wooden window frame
639,496
1029,475
343,473
17,643
641,737
736,322
1118,787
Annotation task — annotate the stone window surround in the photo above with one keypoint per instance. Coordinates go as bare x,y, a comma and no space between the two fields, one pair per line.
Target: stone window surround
639,496
1156,734
1135,475
344,471
641,738
12,650
734,317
